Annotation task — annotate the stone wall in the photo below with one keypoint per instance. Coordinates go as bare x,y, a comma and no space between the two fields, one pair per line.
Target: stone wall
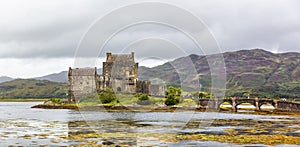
81,82
122,86
157,90
100,83
287,106
142,87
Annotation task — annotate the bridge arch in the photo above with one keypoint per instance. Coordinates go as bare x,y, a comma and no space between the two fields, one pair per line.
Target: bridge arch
262,102
240,101
224,102
266,103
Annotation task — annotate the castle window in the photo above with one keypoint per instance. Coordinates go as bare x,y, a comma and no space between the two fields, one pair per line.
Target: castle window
119,89
131,81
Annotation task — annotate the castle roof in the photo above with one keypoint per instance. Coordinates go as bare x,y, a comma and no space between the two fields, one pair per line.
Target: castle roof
119,57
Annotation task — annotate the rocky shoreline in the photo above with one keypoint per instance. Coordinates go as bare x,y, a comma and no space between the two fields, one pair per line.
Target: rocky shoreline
138,108
55,106
118,108
133,108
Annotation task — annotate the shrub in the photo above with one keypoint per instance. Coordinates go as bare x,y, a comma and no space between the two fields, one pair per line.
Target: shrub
143,97
144,100
137,95
171,100
201,94
55,100
107,96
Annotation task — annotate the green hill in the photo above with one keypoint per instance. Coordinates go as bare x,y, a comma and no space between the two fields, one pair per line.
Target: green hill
29,88
256,72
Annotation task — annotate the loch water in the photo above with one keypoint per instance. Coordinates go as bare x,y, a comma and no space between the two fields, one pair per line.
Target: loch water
21,125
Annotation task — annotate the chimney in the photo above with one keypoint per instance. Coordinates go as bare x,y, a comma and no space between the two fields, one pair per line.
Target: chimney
108,55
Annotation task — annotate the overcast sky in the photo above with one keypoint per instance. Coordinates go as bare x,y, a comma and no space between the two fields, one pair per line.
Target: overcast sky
41,37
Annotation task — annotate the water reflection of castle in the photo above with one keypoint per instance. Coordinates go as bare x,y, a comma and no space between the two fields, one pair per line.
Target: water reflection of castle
120,73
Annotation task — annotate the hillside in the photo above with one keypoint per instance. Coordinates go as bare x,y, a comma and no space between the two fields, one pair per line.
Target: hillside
61,77
5,79
29,88
256,72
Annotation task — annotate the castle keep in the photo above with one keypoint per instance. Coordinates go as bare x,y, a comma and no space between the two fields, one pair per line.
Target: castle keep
119,72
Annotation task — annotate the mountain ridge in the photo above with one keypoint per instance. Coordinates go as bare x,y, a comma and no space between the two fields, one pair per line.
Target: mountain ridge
31,88
255,72
61,77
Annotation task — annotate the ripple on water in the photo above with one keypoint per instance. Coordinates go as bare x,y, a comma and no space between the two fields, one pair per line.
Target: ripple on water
51,127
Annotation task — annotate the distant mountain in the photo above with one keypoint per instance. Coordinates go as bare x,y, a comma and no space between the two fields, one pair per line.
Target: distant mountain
5,79
61,77
30,88
256,72
248,72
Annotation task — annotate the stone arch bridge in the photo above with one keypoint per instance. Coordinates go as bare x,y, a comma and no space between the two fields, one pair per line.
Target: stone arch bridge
279,105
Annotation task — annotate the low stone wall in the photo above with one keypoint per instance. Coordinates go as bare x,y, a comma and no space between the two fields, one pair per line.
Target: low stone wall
287,106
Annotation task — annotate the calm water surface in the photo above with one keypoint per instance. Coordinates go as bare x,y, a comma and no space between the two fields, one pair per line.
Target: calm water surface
22,125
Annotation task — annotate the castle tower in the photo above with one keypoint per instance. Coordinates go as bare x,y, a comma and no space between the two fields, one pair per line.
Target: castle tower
120,72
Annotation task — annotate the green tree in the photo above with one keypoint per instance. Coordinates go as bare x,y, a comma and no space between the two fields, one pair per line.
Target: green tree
107,96
174,91
171,100
178,91
173,96
201,95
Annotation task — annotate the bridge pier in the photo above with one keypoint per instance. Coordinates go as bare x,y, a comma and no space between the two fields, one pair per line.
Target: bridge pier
275,104
257,108
214,104
234,108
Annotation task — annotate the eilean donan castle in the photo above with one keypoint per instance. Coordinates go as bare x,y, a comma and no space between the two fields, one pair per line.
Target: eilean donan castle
119,72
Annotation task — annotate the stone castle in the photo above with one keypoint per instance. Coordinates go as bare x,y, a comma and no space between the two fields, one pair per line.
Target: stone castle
119,73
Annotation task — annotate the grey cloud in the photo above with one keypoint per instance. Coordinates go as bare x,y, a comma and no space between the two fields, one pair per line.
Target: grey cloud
164,42
262,24
43,29
54,28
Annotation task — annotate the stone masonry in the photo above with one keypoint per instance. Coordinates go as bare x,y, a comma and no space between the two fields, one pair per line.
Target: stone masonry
120,73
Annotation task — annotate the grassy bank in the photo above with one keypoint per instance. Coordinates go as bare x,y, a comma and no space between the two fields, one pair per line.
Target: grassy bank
128,99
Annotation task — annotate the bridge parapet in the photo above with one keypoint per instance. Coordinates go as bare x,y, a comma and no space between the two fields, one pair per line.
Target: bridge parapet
240,101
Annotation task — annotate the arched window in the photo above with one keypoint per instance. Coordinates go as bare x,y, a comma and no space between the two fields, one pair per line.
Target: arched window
119,89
